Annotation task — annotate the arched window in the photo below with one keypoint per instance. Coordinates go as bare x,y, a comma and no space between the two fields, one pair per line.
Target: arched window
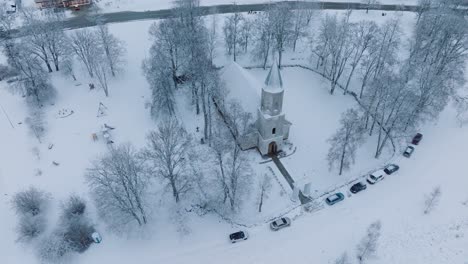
273,131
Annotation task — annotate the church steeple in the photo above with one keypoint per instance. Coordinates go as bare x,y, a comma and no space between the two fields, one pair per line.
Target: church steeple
274,81
272,92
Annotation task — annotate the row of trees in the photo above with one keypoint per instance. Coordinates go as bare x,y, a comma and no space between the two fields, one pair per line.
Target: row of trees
122,180
398,93
181,59
45,47
279,26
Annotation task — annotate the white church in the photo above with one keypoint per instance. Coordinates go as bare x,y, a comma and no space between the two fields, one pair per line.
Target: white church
271,128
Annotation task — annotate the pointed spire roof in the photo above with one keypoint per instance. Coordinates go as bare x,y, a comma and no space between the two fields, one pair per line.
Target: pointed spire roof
273,81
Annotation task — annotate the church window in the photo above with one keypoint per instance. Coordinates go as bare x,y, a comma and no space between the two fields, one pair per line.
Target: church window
273,131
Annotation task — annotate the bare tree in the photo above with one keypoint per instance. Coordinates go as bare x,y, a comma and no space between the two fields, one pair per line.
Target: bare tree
263,38
280,16
212,36
234,170
436,64
337,47
265,188
232,30
423,6
55,39
167,151
101,72
362,37
113,48
246,32
37,32
345,141
85,45
367,248
33,80
119,182
165,69
382,55
432,200
300,22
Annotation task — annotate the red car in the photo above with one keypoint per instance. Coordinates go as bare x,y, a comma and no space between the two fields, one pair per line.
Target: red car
417,139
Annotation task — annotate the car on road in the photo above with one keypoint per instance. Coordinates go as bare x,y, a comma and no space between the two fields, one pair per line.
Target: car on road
360,186
334,198
376,176
280,223
238,236
408,151
391,168
416,139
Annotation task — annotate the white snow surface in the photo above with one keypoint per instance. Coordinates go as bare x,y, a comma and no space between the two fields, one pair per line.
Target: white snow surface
408,236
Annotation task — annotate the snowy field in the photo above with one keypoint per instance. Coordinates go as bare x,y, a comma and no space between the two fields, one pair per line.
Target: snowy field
408,236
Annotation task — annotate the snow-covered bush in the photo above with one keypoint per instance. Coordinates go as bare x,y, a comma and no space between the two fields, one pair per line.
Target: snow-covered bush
77,234
30,202
30,227
53,248
75,206
30,206
75,226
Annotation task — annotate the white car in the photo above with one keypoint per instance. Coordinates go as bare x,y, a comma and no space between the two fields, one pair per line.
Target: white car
280,223
376,176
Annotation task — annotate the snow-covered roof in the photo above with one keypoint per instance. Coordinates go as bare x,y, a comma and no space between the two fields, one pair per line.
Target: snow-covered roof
274,82
242,86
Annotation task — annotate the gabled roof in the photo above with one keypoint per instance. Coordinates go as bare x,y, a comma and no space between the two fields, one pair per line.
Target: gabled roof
273,81
242,86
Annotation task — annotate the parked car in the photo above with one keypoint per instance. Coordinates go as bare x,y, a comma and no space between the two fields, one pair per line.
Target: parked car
280,223
333,199
358,187
391,168
408,151
238,236
376,176
416,139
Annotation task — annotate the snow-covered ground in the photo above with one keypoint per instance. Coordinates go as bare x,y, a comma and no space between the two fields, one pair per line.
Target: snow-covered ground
408,236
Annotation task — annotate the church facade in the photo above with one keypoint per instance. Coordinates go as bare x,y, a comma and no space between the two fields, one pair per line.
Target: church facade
271,126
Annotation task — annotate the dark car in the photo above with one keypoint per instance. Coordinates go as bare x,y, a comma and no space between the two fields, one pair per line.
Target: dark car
416,139
358,187
391,168
334,198
408,151
238,236
280,223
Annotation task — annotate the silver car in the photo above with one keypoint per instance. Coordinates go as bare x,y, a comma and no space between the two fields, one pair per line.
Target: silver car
280,223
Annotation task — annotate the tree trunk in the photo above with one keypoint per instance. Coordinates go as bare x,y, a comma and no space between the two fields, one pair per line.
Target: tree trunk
260,204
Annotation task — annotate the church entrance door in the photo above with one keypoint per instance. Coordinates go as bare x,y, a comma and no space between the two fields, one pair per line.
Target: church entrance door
272,148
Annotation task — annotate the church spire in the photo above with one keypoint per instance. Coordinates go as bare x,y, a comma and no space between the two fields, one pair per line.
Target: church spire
274,82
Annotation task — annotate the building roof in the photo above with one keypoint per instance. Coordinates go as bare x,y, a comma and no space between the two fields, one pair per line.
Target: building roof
274,82
242,86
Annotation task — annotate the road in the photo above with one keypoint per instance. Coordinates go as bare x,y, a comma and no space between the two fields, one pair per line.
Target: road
127,16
